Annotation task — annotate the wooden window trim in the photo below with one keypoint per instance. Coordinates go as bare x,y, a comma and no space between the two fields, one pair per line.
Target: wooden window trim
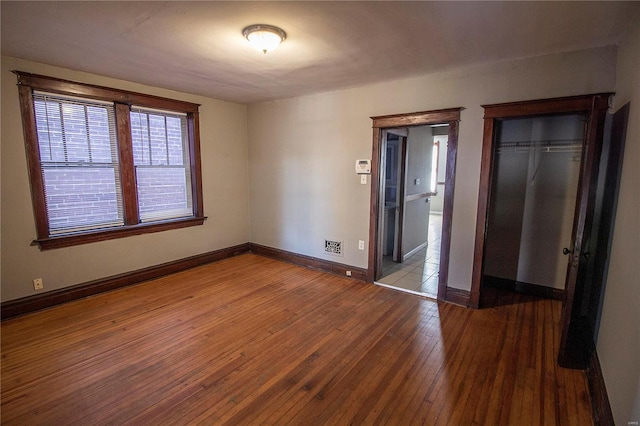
122,100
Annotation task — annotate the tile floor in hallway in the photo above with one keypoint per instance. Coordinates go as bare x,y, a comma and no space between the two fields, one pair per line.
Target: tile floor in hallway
419,273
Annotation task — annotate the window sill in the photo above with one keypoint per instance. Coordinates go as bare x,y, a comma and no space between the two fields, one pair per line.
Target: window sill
113,233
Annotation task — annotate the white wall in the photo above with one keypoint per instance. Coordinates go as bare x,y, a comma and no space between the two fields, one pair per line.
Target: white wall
618,343
301,152
224,148
416,212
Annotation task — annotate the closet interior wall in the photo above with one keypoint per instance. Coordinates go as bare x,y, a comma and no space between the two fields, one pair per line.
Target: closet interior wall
533,198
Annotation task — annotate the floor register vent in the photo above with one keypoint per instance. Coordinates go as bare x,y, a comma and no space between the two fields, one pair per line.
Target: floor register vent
333,247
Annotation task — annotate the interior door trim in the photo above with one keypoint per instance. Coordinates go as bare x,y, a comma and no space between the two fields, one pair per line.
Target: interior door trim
575,344
449,116
568,105
398,253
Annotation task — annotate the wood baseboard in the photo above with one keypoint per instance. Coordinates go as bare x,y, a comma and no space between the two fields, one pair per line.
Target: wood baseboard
524,288
457,296
37,302
309,261
29,304
602,414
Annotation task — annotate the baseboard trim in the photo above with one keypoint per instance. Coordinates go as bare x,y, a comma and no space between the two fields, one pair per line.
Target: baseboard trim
524,288
457,296
602,414
309,261
415,250
33,303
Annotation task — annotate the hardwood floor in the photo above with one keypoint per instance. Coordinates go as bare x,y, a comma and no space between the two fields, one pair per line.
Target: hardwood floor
251,340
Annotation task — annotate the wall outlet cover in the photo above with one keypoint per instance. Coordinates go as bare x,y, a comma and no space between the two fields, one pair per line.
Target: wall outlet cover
38,284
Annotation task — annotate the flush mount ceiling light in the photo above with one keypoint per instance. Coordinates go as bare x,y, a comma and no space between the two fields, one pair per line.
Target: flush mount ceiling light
265,38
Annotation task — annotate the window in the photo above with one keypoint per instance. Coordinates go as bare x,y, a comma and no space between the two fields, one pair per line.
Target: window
106,163
435,159
161,159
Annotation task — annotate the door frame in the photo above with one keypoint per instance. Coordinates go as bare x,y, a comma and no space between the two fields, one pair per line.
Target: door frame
401,183
594,106
445,116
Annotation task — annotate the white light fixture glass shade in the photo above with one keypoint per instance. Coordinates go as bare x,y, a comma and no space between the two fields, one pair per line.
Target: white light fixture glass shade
265,38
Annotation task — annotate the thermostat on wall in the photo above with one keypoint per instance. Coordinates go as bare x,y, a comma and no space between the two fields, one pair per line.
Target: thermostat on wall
363,167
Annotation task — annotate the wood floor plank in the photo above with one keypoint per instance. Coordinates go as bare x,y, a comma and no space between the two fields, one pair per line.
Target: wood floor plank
251,340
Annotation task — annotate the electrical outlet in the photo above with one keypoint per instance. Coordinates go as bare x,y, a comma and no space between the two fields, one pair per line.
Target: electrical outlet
360,245
348,273
38,284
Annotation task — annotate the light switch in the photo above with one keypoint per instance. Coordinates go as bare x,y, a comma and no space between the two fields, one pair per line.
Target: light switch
417,181
363,179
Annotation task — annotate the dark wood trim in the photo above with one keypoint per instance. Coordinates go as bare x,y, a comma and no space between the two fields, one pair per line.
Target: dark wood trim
33,161
67,87
524,288
449,116
193,129
375,218
447,206
116,232
126,166
29,304
417,118
486,170
564,105
309,261
418,196
457,296
601,409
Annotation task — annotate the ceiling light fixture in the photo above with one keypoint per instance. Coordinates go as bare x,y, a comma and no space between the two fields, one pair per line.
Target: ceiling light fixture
265,38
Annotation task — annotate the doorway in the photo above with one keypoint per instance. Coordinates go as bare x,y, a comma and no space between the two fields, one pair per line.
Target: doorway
394,204
412,218
545,233
533,192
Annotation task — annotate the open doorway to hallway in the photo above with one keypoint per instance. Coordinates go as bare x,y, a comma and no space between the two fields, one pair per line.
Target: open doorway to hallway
413,194
414,183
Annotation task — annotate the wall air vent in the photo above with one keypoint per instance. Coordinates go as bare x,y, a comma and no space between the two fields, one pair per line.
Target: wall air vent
333,247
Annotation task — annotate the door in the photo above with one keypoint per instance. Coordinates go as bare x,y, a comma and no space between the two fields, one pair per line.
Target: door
392,178
581,306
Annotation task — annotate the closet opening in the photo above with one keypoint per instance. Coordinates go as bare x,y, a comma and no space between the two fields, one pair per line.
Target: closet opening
540,208
533,192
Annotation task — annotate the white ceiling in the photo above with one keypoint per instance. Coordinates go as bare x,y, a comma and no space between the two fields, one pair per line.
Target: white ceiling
197,47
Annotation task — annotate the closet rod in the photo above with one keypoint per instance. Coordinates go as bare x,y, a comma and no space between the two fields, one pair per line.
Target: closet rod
524,150
540,143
